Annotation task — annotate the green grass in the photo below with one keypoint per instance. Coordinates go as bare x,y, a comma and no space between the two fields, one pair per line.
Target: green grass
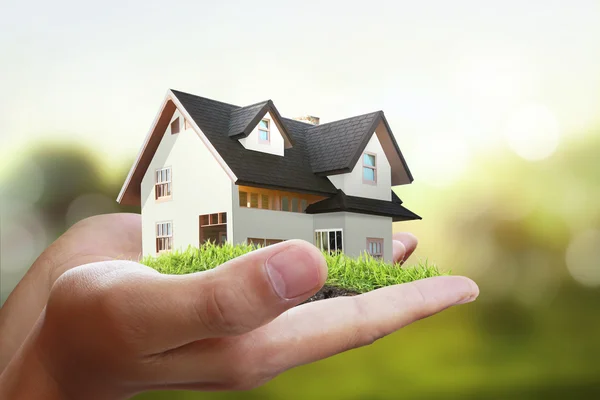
361,274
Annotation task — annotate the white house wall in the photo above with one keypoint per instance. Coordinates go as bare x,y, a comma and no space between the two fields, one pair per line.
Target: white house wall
199,186
352,182
275,145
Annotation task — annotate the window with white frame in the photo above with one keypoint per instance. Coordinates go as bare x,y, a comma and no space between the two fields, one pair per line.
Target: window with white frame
329,240
162,187
375,247
264,133
164,236
369,168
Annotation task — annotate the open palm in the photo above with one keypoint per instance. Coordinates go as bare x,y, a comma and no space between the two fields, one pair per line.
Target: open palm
111,328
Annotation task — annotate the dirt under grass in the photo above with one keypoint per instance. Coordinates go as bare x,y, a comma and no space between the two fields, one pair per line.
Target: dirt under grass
346,275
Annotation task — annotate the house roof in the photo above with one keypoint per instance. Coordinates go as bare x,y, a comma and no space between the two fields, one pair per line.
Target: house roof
345,136
240,119
254,168
311,152
354,133
395,198
342,202
243,120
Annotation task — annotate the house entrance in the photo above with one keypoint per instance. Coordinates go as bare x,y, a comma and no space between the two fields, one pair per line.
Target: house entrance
213,228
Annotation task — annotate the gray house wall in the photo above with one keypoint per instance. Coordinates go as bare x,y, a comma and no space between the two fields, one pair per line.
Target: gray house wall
359,227
269,224
356,229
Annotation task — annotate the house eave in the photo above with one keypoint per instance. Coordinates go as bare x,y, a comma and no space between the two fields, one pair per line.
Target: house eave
240,182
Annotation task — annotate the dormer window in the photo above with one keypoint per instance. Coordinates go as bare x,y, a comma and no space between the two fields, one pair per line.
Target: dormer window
264,135
369,168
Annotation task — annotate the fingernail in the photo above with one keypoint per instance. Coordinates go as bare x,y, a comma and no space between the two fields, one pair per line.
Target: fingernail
466,300
293,272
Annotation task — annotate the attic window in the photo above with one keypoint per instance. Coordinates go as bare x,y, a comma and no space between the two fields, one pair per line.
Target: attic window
369,168
264,135
175,126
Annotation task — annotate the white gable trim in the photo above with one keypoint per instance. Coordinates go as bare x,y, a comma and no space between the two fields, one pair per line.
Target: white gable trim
170,96
143,148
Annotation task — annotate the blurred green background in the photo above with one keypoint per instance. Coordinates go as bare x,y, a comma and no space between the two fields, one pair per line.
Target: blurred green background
528,233
494,105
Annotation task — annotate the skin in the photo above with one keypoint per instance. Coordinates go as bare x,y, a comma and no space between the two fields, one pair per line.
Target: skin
85,323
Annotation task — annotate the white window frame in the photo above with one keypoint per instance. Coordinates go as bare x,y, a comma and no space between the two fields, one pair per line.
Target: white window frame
268,131
161,186
326,232
161,236
374,168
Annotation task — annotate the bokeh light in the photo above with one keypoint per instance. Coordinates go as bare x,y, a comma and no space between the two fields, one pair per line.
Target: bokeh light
440,160
532,132
583,257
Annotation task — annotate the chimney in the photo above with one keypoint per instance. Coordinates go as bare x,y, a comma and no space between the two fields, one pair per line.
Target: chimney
309,119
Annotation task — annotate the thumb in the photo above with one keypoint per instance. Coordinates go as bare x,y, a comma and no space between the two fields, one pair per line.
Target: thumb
236,297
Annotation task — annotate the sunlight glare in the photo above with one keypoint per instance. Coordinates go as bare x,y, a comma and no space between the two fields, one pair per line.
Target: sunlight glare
532,132
441,160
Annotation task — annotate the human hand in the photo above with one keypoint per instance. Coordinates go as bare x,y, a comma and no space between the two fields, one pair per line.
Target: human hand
100,238
115,328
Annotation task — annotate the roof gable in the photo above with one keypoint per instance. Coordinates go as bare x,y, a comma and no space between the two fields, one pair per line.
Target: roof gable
240,119
317,151
243,120
332,145
253,168
131,191
349,137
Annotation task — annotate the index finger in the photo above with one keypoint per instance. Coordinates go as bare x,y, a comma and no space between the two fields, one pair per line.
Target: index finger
324,328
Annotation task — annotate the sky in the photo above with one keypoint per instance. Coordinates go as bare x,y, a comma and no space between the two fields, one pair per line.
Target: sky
455,79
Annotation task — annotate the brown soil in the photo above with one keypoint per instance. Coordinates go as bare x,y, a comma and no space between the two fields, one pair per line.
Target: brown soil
329,292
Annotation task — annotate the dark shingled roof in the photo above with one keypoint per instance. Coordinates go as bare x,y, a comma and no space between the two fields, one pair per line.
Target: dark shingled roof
351,132
253,168
241,118
315,150
343,202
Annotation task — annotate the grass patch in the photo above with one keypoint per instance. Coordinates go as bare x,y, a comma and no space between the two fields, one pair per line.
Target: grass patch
361,274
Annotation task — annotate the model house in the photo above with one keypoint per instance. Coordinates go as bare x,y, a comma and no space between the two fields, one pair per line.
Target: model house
214,171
